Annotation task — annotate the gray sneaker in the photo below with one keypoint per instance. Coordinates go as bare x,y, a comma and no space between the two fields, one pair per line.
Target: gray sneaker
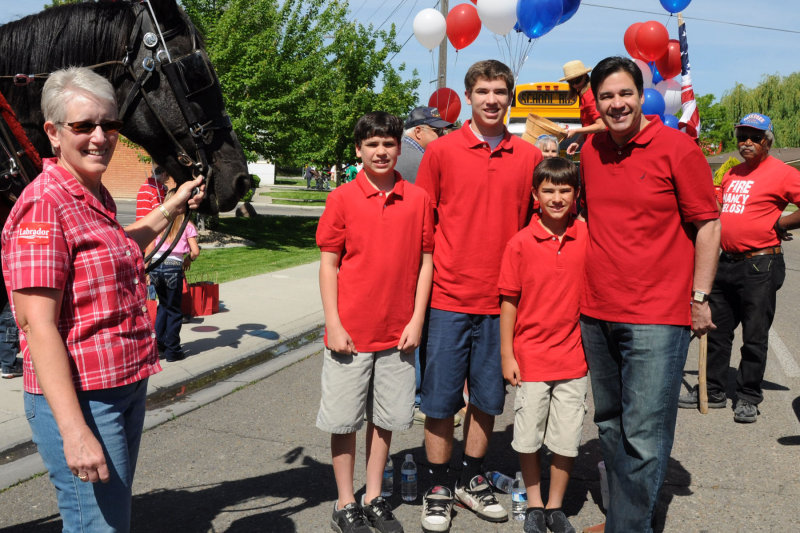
14,372
745,412
557,521
437,506
534,521
378,513
349,520
691,400
477,496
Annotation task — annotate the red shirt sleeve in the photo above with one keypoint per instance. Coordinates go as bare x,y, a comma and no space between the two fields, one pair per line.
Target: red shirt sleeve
331,226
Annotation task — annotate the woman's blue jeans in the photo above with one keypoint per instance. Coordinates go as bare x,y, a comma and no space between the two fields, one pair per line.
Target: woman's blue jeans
636,372
167,278
116,417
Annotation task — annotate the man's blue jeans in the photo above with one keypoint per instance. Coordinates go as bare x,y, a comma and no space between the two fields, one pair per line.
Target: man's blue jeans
167,278
636,375
9,344
116,417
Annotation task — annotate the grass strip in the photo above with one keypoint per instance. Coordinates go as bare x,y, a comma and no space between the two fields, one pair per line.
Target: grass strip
300,195
278,242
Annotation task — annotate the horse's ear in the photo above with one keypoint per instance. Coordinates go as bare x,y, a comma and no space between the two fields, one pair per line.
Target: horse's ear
165,9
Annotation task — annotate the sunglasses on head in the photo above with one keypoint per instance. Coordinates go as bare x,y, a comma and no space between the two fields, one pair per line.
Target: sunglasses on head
742,136
86,126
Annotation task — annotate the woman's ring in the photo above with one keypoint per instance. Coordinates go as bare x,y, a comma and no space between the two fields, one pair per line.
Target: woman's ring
83,477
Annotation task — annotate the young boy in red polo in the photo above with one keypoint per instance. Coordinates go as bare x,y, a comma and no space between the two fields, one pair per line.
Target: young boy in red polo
541,281
376,241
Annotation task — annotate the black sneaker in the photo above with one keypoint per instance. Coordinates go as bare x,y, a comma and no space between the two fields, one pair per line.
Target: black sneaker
378,512
349,520
745,412
14,372
437,506
557,521
534,521
691,400
478,496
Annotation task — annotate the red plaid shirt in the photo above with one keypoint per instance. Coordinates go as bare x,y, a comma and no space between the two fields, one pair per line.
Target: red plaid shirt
61,237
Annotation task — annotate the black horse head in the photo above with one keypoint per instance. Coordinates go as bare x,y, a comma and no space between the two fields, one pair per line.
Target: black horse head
168,92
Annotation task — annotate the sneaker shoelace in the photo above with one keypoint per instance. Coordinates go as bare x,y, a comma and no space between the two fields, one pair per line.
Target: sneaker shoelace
436,507
382,508
353,515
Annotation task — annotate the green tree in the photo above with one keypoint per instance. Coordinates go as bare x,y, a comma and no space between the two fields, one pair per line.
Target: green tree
296,75
715,126
55,3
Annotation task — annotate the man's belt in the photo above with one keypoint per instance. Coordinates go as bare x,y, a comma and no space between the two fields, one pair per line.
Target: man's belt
741,256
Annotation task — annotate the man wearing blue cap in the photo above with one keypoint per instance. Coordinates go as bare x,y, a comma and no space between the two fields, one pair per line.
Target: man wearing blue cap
751,267
423,126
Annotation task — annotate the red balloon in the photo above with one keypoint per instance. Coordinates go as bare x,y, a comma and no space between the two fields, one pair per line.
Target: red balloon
651,40
447,102
669,65
474,2
463,25
630,40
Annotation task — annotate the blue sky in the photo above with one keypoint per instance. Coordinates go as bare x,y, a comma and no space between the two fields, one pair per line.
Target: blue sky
721,54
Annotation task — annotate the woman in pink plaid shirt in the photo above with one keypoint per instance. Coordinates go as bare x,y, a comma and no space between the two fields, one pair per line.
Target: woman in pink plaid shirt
76,282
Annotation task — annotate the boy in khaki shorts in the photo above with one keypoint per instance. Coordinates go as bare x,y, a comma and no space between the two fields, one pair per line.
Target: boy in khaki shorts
541,280
376,240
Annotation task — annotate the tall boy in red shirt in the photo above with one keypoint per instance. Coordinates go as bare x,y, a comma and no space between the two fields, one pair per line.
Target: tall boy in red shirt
479,180
376,241
541,282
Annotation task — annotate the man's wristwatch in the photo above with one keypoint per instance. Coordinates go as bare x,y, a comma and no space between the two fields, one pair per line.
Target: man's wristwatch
699,296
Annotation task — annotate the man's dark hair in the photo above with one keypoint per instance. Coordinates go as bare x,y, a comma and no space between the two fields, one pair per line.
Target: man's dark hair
611,65
377,124
489,69
558,171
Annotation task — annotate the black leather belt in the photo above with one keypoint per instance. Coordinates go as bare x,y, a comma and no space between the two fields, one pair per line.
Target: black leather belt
741,256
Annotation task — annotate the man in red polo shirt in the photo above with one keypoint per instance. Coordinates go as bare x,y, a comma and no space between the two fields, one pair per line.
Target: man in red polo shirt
751,267
151,193
479,180
652,252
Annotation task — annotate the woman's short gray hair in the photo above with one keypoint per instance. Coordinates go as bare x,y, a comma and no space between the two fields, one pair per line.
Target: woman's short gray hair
62,83
544,140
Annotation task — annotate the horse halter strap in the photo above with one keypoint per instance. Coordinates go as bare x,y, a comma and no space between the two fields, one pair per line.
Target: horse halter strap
186,75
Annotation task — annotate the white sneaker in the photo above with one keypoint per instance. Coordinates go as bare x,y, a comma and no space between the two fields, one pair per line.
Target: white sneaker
478,496
437,506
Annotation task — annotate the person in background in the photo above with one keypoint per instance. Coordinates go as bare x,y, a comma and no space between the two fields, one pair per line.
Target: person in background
540,287
422,126
167,278
75,278
350,173
751,267
577,77
548,144
151,193
9,340
645,279
310,174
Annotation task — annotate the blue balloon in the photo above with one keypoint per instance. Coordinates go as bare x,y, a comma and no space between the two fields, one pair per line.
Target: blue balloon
517,28
657,77
569,7
671,121
675,6
537,17
653,103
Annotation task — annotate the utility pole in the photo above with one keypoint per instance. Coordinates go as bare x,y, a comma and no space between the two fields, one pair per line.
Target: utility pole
442,79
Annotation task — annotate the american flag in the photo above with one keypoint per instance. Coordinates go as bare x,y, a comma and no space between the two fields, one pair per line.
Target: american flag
690,118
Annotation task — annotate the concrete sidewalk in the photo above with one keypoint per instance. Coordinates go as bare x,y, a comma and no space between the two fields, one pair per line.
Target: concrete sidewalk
260,317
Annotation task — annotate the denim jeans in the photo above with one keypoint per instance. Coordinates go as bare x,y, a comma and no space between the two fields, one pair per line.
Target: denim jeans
636,375
168,281
9,335
744,292
116,417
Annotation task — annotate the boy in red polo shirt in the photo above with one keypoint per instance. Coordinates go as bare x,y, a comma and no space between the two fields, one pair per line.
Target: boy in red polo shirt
541,282
376,266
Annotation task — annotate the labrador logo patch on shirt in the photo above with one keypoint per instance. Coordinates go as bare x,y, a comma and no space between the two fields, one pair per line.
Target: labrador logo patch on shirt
33,233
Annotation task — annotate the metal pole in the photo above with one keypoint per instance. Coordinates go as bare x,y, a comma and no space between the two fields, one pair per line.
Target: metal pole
442,79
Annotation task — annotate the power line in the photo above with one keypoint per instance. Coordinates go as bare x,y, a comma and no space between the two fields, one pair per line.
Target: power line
392,13
693,18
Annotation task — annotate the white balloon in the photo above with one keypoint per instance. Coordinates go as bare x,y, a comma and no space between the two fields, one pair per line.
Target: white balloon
499,16
671,91
430,28
647,74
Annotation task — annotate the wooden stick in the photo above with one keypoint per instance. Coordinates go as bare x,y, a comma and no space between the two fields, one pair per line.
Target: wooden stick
702,389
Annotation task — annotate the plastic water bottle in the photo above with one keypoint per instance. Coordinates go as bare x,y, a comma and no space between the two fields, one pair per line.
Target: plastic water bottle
387,485
500,481
519,498
408,479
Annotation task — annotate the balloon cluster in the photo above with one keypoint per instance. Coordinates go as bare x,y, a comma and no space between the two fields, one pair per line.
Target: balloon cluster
463,23
659,59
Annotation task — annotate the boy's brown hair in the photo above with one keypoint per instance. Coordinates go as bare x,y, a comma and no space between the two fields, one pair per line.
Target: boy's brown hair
377,124
558,171
489,69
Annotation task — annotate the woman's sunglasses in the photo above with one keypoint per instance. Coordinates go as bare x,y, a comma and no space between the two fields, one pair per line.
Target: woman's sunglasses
85,126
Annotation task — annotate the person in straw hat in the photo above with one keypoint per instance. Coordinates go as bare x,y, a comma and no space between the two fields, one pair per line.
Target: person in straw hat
577,77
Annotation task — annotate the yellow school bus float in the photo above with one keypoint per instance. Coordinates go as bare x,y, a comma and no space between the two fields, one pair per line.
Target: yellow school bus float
548,99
